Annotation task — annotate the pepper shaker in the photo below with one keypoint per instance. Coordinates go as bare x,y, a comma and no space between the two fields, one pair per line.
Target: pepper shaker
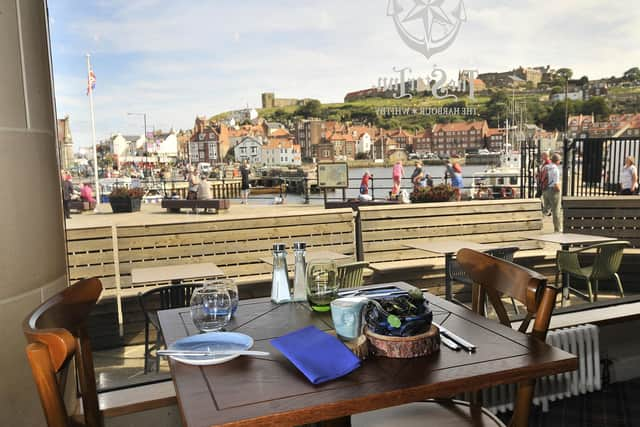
280,279
299,278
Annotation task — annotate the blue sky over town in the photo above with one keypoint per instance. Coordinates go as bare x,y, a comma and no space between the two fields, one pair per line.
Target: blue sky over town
176,60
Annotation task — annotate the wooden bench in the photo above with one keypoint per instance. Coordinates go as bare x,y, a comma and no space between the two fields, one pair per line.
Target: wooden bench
81,205
385,231
174,205
236,245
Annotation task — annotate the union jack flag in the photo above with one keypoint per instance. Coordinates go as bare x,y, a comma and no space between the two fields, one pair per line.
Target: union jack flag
91,81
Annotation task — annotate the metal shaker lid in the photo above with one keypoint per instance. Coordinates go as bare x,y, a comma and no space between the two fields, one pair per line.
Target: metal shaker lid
279,247
299,245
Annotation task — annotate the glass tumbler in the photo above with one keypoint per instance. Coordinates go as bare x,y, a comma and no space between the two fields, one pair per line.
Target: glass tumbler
211,307
231,287
322,284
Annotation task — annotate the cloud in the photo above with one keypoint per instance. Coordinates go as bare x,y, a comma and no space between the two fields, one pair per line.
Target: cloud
175,60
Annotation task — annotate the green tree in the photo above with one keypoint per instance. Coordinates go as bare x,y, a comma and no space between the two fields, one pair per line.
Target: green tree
496,109
583,80
597,105
312,108
632,74
564,73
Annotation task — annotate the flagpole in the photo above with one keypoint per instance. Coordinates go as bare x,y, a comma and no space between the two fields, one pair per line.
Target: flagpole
93,134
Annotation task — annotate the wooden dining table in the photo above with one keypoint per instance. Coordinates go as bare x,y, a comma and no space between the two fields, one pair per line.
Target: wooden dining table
270,391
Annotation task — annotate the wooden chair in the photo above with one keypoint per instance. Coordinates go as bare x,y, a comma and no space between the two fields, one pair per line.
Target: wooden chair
495,277
57,332
351,275
173,296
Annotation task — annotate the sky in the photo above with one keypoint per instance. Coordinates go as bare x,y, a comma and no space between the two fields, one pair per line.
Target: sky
176,60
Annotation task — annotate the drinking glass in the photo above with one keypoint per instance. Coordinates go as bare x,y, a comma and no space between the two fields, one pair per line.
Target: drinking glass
322,284
231,287
211,307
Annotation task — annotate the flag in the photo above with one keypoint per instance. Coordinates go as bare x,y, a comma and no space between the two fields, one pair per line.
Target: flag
91,81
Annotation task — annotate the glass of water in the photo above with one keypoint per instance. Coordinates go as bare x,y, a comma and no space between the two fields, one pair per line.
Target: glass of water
322,284
211,307
232,288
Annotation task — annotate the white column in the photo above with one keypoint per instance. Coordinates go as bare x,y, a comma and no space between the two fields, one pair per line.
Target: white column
32,247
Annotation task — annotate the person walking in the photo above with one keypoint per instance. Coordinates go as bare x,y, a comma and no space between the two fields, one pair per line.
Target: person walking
396,175
364,182
417,177
542,180
67,192
245,171
551,193
629,177
457,183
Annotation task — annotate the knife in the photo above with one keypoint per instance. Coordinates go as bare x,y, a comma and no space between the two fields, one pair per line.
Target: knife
213,353
455,338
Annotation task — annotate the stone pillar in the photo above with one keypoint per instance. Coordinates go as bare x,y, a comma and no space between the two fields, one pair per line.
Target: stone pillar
32,246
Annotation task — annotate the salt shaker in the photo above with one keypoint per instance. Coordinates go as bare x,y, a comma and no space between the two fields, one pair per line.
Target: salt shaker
280,278
299,278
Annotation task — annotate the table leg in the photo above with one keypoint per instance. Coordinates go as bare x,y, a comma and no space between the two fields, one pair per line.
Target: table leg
448,291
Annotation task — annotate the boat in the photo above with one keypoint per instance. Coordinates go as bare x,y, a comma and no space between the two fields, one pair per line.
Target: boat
499,182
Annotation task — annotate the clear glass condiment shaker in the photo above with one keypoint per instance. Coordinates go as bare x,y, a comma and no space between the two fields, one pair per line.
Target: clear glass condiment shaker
280,279
299,278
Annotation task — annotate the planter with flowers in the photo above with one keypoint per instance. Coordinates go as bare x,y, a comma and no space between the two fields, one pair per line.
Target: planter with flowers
126,199
439,193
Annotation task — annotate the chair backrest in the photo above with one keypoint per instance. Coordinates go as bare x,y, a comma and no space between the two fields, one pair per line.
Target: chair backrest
172,296
608,259
497,277
458,274
57,332
351,275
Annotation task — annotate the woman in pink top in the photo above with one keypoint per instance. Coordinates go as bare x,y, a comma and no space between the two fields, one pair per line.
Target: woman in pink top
86,193
397,175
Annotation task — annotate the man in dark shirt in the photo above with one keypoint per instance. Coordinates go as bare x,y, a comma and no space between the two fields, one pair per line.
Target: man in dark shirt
245,170
67,192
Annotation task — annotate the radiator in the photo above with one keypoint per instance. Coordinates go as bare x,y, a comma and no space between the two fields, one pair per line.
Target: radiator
580,340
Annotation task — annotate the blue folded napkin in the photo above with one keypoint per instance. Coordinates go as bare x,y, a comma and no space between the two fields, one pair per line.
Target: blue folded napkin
319,356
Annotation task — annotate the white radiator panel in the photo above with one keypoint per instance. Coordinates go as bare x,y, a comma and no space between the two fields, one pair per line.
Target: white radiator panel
583,341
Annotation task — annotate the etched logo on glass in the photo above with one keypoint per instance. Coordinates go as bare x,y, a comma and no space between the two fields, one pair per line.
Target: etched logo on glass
427,26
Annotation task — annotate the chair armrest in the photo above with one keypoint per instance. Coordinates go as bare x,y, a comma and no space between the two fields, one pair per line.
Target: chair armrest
567,261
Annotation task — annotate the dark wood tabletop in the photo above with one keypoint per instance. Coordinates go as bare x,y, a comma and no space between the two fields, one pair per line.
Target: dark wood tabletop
261,391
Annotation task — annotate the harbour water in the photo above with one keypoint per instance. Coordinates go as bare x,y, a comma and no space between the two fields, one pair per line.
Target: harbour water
382,183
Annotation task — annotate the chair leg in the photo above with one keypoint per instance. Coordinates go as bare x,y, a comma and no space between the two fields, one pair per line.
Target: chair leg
589,290
557,284
595,290
619,284
515,306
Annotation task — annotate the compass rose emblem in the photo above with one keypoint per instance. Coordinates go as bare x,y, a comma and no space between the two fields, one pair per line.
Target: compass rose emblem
427,26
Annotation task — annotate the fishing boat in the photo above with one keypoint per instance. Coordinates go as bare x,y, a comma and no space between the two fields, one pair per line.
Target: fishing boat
499,182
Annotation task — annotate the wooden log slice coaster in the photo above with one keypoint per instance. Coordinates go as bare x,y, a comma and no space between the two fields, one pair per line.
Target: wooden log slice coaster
404,347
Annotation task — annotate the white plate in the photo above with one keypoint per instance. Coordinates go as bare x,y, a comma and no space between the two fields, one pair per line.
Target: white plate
211,341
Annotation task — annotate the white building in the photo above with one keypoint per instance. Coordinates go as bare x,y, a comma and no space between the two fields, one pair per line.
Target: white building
363,143
573,96
281,152
249,148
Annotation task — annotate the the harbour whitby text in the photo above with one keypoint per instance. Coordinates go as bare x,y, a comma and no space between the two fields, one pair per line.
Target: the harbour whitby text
388,111
404,86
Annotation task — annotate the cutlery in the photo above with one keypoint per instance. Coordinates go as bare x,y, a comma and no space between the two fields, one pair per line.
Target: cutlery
452,345
456,339
372,293
212,353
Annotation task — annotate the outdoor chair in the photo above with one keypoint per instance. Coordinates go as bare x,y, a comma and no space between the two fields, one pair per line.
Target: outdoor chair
351,275
496,278
172,296
458,274
606,263
57,332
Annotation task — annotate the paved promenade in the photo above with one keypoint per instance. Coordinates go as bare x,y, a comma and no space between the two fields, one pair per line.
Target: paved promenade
152,213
